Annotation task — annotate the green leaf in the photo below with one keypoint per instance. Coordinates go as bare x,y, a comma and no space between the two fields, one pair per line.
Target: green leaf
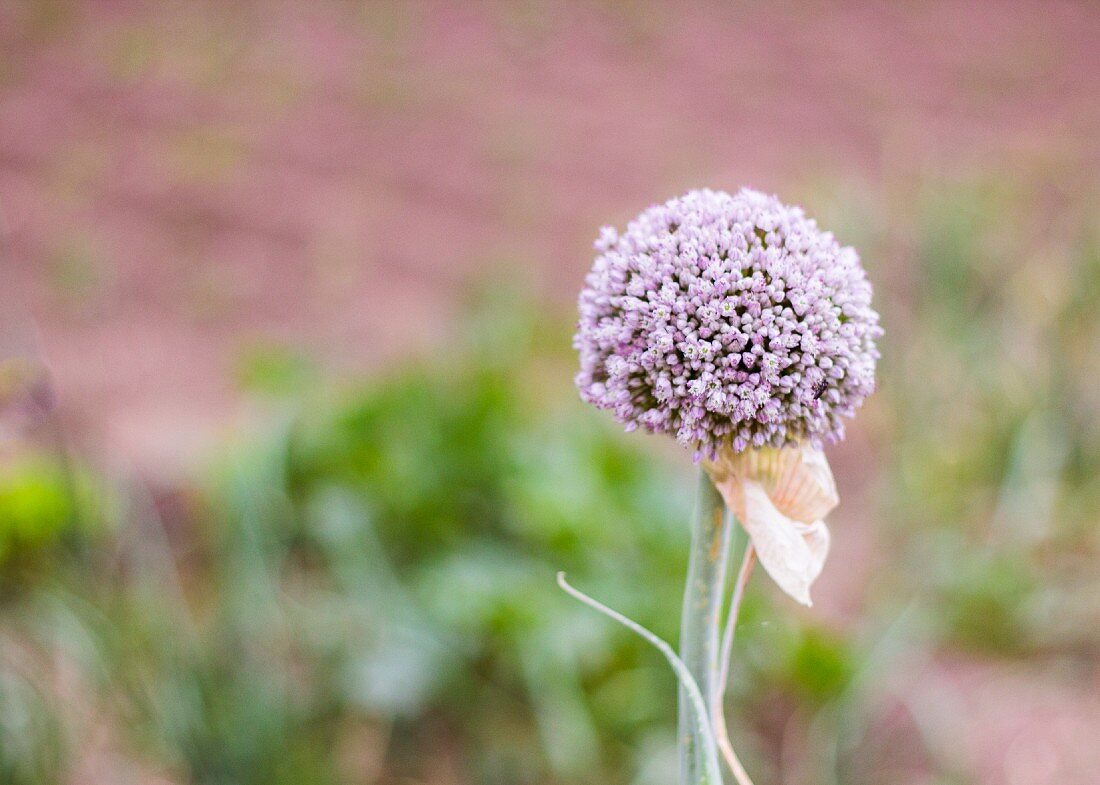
702,735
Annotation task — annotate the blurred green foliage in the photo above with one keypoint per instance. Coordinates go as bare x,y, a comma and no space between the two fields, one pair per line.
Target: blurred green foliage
35,508
996,422
395,549
365,592
46,517
48,525
31,745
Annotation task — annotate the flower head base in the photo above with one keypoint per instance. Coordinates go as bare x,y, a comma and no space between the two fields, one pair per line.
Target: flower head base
728,321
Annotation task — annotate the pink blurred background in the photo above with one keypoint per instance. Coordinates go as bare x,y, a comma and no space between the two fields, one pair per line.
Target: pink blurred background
181,181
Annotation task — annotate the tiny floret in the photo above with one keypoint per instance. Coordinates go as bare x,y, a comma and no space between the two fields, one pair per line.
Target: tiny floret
727,321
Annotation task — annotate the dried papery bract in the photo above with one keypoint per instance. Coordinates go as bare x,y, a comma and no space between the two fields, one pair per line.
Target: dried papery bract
735,324
781,497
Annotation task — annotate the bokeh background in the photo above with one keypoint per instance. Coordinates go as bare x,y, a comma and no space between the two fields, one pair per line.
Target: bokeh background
289,452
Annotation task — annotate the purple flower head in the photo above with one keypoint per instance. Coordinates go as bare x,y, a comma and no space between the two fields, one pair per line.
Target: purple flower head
727,320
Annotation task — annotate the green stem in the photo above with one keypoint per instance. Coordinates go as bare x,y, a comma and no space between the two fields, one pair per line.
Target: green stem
717,709
703,598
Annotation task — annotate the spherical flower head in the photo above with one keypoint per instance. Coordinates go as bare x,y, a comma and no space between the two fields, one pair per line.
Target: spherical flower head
729,321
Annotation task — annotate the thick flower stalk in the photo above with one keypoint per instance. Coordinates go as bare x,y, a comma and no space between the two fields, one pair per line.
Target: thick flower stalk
733,323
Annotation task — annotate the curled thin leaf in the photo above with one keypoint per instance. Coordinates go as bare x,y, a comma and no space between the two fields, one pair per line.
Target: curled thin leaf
703,737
